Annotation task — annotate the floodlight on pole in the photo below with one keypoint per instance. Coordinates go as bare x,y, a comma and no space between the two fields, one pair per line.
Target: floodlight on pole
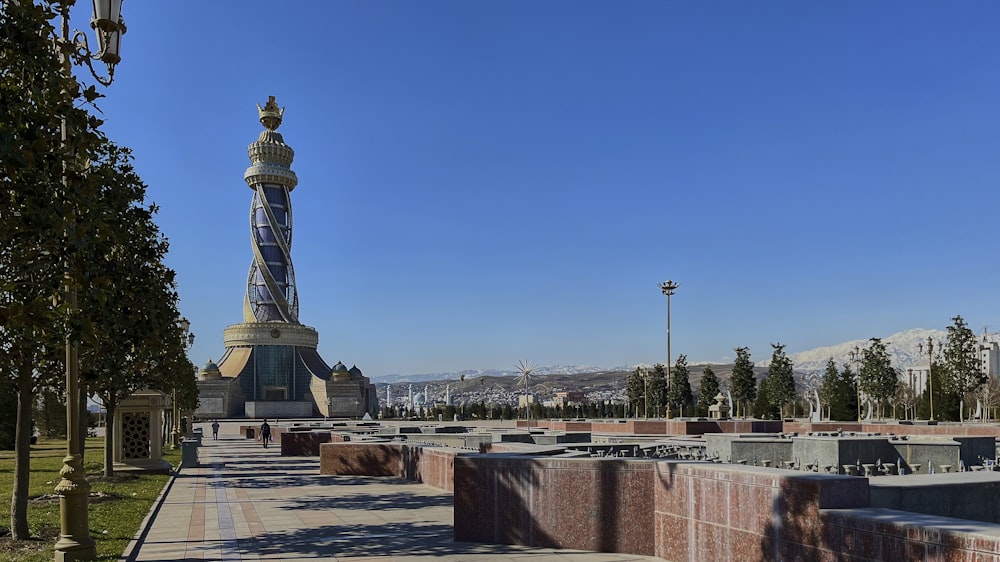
667,288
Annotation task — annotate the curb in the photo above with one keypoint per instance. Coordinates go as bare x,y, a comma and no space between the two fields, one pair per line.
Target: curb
132,549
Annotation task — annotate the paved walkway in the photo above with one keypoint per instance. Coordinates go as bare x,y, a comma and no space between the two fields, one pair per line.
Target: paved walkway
248,503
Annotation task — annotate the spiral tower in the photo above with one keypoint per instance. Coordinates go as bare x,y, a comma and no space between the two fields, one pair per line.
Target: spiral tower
271,366
271,294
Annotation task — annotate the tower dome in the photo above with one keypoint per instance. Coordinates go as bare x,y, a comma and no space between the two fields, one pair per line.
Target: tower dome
340,373
209,371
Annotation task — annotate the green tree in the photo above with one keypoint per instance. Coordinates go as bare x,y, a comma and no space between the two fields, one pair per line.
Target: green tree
656,386
946,402
46,214
963,371
878,378
743,382
680,395
708,389
844,406
635,390
828,386
782,379
137,344
766,406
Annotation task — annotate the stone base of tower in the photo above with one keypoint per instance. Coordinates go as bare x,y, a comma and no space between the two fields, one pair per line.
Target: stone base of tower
273,370
248,334
270,409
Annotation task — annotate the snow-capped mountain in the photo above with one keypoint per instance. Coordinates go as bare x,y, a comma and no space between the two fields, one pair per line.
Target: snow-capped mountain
902,348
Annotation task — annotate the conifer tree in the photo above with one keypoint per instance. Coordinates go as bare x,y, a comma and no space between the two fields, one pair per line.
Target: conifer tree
708,389
963,372
634,390
845,406
680,386
782,379
656,386
743,382
829,386
878,378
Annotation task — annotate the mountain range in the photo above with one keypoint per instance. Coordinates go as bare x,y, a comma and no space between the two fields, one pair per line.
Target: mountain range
902,348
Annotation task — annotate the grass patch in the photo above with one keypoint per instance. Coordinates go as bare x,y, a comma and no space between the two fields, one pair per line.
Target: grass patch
117,506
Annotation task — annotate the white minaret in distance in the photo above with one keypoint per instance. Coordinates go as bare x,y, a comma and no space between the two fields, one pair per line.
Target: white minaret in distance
447,395
388,395
410,402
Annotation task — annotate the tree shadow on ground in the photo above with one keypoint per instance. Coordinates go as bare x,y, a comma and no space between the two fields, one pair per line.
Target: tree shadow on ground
259,480
312,462
365,501
384,539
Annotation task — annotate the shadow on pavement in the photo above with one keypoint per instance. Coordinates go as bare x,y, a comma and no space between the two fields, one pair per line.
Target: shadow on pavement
367,501
385,539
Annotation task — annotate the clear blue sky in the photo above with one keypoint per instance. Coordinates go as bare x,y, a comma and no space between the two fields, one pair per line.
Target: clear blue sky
482,182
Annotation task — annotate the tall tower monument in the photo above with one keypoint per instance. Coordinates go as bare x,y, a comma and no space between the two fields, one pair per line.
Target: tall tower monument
271,366
271,294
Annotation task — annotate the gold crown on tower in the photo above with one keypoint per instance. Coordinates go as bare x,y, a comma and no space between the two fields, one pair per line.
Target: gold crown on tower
270,114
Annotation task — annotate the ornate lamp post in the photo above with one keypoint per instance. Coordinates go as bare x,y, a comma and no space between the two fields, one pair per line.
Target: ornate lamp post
667,288
75,542
187,340
930,369
644,373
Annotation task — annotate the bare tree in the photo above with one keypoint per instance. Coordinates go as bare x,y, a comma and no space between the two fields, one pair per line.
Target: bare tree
905,398
989,395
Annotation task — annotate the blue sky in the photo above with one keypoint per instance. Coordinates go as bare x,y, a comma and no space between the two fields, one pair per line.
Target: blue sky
483,182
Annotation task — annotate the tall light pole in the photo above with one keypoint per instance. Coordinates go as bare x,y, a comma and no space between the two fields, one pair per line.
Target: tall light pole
930,369
187,340
75,542
667,288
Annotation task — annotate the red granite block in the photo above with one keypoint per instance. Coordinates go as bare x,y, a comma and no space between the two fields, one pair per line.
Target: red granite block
988,544
436,468
673,541
893,547
750,507
537,502
833,533
474,502
303,443
361,459
867,545
711,501
711,542
948,554
672,490
915,550
746,545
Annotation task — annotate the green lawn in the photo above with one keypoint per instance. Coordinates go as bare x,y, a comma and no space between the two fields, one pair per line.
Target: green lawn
115,516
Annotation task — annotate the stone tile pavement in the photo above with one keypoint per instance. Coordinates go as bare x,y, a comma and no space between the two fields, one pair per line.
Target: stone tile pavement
248,503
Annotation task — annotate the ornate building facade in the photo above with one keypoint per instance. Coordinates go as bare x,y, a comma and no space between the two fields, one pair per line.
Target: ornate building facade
271,366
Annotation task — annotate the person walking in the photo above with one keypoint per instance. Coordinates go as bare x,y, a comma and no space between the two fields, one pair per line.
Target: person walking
215,429
265,432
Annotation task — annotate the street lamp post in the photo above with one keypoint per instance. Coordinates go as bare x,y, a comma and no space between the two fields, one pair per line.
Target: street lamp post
930,370
667,288
187,340
75,542
644,373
